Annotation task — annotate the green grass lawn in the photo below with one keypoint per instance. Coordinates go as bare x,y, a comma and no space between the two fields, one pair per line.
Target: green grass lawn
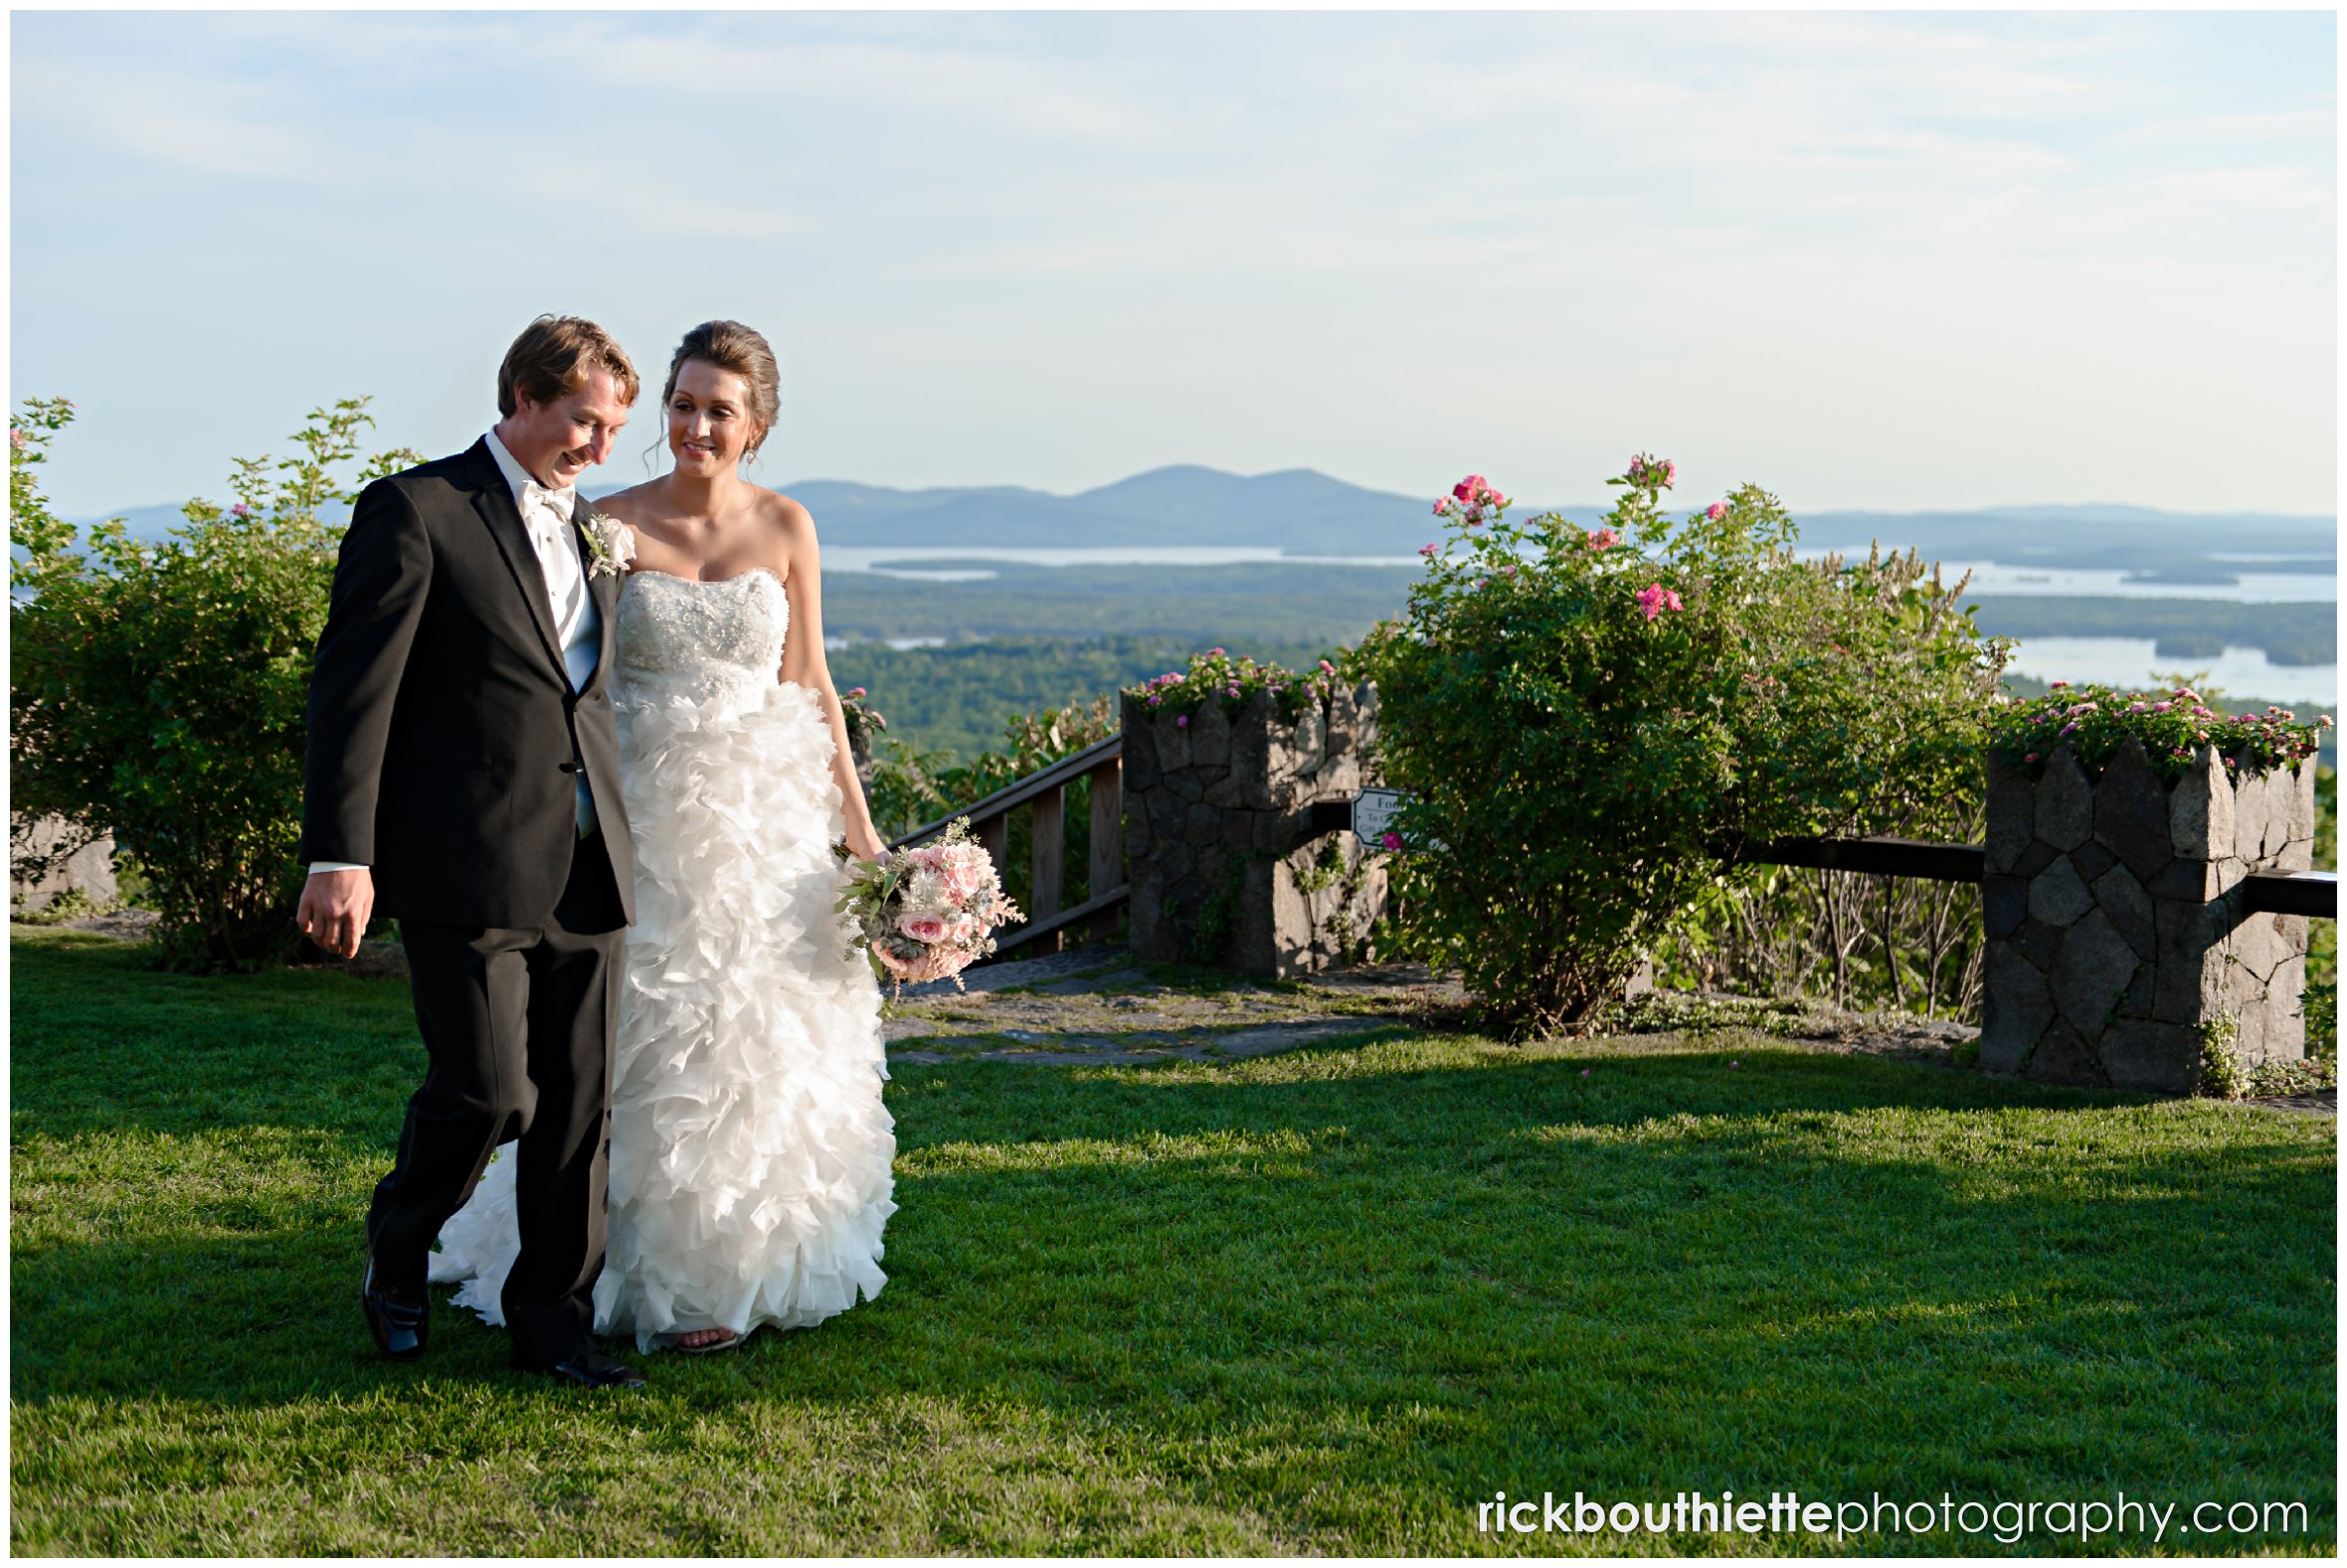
1318,1303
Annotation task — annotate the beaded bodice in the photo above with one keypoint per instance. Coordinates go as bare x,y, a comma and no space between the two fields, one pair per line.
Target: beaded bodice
686,637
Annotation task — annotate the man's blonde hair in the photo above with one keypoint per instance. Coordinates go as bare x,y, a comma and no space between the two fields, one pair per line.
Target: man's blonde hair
553,358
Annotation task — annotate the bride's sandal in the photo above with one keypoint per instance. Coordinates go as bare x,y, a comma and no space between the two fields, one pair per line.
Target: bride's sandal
731,1342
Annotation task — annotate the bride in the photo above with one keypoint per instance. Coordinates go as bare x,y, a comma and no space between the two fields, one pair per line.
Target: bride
750,1152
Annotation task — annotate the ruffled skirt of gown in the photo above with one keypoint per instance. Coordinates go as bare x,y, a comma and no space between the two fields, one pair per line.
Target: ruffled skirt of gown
751,1154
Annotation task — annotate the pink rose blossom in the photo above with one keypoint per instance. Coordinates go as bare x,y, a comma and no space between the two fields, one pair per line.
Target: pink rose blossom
2057,685
1181,723
1442,508
1390,841
922,928
1467,488
1671,597
1604,539
966,871
1426,551
1651,599
1716,511
242,509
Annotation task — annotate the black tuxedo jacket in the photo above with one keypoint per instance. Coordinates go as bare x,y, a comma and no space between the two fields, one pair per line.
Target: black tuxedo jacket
444,739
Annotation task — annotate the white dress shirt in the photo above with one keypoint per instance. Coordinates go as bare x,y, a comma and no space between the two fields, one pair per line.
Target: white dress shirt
578,625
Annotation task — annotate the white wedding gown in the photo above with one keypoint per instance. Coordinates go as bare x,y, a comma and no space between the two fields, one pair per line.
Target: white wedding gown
750,1153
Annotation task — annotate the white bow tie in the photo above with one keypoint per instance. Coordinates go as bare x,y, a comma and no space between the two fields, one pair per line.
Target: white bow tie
535,495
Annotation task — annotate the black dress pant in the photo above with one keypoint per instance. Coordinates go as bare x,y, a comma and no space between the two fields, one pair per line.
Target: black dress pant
518,1030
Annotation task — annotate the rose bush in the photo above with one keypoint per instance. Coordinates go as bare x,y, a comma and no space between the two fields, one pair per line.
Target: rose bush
1594,719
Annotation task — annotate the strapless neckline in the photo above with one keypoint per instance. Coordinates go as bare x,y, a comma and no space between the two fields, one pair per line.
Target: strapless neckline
712,582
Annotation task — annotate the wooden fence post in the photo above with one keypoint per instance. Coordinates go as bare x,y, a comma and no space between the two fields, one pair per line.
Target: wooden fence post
1107,839
1045,859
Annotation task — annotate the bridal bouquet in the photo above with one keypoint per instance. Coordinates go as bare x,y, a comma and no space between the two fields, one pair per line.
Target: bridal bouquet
928,912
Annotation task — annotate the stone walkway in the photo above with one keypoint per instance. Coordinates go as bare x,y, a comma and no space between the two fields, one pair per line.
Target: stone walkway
1094,1005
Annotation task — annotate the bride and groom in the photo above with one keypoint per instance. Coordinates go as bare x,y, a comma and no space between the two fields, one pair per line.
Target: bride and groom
594,763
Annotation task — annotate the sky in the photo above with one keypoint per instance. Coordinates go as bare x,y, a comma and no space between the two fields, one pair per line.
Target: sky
1884,261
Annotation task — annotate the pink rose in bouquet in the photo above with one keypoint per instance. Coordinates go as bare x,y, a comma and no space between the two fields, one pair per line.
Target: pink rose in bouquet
928,913
922,928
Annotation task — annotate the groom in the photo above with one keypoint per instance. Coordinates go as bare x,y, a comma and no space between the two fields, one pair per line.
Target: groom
464,777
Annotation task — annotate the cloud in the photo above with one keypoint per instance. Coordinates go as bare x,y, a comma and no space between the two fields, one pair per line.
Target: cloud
1275,231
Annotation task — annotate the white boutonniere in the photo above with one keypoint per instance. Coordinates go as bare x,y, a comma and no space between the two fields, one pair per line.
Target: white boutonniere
609,542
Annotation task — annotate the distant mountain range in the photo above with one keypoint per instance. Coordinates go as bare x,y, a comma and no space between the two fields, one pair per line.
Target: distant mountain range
1301,512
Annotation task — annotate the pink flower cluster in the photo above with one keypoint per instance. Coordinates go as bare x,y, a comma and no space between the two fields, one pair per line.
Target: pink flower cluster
1603,539
2095,721
1471,502
1655,599
929,911
1653,473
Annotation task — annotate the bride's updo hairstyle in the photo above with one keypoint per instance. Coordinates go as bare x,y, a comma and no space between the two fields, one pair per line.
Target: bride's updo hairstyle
729,345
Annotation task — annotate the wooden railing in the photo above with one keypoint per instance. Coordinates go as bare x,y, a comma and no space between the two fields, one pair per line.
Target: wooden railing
1043,794
2310,893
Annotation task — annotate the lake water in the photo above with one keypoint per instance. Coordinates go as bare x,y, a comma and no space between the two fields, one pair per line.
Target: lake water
2129,661
2118,661
1988,577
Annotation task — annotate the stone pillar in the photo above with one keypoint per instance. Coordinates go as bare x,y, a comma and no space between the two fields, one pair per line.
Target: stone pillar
48,855
2115,930
1217,821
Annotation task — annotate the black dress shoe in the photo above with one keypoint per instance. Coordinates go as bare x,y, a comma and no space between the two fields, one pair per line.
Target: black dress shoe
400,1326
590,1369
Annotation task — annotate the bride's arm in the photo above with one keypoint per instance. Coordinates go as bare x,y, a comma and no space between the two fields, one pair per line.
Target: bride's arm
803,665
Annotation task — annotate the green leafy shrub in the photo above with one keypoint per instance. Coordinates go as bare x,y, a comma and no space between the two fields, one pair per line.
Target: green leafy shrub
161,690
2223,1076
2309,1076
1595,720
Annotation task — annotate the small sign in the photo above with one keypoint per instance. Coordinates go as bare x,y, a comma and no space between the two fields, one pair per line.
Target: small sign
1374,813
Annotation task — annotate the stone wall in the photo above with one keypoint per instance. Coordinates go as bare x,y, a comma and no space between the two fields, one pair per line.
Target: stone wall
2116,936
1217,813
48,856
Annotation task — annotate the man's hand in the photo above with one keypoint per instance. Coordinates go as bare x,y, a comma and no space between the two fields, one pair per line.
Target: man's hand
334,909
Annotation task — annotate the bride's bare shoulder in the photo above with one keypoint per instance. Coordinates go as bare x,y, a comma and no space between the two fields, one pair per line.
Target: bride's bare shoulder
789,526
